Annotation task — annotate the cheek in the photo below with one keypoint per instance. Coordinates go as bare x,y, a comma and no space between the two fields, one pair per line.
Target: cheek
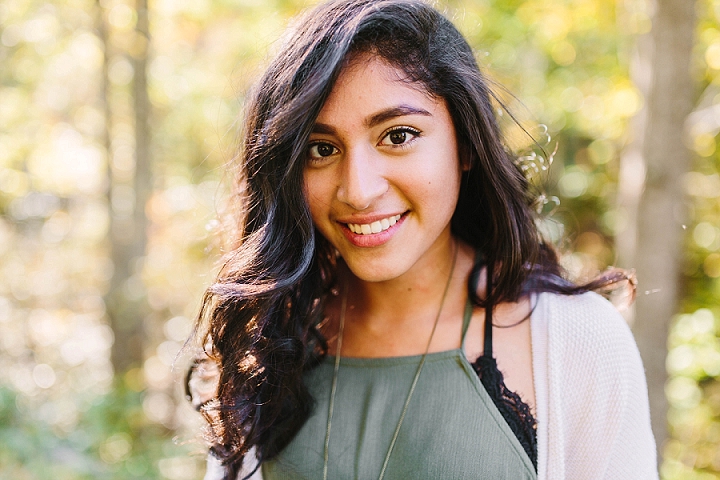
443,183
316,193
448,191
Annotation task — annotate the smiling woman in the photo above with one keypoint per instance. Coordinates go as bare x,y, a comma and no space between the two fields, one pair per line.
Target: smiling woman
383,152
390,309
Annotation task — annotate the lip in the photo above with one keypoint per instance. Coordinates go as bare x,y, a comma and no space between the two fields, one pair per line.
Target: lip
373,239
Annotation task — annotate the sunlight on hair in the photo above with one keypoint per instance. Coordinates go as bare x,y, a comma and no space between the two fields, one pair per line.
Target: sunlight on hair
527,143
546,205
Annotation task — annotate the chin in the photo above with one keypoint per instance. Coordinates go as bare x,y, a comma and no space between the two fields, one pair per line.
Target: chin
376,271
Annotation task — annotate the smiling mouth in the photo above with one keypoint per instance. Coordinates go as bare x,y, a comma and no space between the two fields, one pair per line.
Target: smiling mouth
374,227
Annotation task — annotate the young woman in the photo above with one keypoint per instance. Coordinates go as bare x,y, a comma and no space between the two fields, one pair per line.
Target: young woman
387,269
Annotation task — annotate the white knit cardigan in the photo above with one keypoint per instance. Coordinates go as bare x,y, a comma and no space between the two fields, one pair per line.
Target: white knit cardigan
593,419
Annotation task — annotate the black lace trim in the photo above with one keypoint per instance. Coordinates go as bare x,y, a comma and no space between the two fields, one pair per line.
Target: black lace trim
515,412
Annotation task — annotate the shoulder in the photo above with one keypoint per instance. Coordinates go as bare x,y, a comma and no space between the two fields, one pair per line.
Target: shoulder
592,400
591,393
581,307
586,358
585,345
584,323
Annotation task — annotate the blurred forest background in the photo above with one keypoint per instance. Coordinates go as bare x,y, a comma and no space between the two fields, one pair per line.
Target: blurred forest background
117,119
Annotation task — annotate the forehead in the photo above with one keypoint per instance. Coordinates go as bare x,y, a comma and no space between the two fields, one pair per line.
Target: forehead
368,83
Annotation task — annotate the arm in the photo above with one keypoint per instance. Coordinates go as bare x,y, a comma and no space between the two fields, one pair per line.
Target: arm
215,471
592,406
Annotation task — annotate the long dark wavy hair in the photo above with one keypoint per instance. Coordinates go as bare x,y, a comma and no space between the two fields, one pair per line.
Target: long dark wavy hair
260,318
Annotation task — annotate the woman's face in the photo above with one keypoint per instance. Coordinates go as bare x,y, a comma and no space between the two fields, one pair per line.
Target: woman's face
382,174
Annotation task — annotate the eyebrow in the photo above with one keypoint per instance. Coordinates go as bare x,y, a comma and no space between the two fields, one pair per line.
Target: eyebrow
392,112
378,118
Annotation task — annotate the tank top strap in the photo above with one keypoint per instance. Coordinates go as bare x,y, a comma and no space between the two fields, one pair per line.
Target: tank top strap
467,316
487,342
479,260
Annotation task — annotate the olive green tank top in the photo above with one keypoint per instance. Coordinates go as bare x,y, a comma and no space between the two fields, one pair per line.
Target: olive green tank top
452,430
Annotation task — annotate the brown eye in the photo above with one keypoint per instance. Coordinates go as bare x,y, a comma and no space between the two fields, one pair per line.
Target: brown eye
321,150
325,150
398,137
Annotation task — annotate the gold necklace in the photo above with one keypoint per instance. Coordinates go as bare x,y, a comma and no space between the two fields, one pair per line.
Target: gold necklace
333,388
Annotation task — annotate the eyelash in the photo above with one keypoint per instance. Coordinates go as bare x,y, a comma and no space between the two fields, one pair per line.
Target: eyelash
401,129
320,158
415,133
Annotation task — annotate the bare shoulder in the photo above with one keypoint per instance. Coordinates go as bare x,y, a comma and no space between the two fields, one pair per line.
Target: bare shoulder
512,347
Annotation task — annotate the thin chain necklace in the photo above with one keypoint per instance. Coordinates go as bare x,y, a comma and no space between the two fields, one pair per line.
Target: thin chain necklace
333,388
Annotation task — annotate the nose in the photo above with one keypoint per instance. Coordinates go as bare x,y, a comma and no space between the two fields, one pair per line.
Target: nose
362,180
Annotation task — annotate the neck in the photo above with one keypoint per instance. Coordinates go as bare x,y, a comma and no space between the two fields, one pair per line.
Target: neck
395,317
416,290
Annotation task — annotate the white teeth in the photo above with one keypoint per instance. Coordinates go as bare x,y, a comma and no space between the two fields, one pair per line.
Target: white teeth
374,227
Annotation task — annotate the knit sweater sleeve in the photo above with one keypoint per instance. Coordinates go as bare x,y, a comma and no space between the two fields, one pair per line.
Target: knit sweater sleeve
591,393
215,471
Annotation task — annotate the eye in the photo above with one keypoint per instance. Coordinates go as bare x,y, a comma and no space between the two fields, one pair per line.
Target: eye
399,136
320,150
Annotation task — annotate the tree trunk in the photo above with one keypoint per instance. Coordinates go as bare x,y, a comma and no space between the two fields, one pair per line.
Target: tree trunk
126,299
652,170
